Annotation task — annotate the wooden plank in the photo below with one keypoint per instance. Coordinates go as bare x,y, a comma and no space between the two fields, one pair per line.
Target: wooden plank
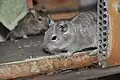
53,5
56,4
43,65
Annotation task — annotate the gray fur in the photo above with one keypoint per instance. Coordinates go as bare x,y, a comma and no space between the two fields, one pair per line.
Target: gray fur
72,36
35,22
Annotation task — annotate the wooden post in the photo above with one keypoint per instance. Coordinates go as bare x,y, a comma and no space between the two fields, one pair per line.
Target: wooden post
114,17
29,4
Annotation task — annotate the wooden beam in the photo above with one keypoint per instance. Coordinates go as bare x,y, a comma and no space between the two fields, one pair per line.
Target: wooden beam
43,65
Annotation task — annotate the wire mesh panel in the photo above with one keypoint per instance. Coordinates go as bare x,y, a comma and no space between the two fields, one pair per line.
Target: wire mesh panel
103,27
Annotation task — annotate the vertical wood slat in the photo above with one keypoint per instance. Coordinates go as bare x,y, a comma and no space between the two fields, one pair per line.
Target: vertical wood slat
114,17
29,4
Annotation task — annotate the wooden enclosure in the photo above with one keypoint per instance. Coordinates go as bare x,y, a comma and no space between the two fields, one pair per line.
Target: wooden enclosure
38,65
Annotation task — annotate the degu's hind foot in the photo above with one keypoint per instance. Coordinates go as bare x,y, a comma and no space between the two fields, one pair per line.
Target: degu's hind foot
102,60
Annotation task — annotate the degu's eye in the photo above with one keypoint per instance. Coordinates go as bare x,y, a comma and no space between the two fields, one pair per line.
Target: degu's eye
63,28
40,19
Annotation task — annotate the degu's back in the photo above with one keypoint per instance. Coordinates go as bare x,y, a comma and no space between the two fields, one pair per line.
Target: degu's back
72,36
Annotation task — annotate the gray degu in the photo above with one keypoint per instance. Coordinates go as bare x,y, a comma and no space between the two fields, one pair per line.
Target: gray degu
33,23
75,35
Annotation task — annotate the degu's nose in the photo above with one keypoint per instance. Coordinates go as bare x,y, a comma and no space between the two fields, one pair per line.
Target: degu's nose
45,47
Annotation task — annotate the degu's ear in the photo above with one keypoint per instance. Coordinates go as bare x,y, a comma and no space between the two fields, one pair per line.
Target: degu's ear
50,21
32,11
63,26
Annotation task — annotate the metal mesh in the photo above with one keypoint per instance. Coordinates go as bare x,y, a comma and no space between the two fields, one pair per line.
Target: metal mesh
103,25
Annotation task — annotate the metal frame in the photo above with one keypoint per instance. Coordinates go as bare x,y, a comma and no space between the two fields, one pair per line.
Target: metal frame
102,29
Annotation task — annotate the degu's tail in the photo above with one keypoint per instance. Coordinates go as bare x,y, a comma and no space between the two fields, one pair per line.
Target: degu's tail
8,37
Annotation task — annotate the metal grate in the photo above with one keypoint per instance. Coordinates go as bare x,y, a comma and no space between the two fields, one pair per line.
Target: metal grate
103,27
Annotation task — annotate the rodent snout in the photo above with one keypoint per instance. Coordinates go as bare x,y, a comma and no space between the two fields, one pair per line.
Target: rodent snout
54,38
45,47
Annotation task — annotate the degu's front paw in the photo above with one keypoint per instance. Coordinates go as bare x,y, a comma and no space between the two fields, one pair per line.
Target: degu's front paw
67,54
